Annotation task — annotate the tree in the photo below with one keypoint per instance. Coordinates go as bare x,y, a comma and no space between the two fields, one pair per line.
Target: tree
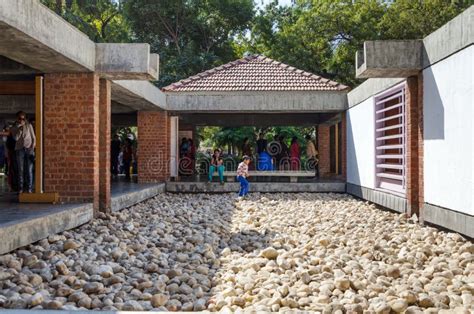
190,35
322,36
101,20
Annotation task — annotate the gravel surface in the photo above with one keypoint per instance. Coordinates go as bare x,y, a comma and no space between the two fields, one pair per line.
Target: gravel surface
327,253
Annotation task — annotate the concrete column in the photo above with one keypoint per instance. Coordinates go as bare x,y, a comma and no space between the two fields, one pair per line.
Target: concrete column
71,136
153,146
324,150
105,117
414,112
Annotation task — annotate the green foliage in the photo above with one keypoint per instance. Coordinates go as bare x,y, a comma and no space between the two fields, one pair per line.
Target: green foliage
101,20
322,36
190,35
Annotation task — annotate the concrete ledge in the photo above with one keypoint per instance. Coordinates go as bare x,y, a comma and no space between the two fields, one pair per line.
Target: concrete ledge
139,95
386,200
126,61
19,233
449,219
267,101
455,35
370,88
389,58
204,187
127,199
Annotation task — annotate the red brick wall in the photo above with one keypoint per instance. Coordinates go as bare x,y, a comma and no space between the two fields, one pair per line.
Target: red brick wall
104,145
71,136
421,187
324,150
414,107
153,146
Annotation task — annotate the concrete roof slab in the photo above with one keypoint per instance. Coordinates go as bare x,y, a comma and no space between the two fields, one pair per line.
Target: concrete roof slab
126,61
389,58
32,34
139,95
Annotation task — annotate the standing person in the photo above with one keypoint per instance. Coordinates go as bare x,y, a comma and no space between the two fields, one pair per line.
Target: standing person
191,155
217,163
114,155
183,148
24,135
261,143
127,157
11,161
284,154
242,175
312,154
294,154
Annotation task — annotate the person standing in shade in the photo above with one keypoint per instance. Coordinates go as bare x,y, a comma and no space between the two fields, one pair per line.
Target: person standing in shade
312,154
127,157
25,138
114,155
242,176
294,154
261,144
217,163
284,154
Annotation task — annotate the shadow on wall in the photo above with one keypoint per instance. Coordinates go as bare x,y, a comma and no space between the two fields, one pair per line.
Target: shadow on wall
433,109
353,175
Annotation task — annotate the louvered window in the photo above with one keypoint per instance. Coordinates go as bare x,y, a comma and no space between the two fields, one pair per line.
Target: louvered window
390,140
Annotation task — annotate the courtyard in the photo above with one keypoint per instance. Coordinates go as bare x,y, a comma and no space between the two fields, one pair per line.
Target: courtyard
271,252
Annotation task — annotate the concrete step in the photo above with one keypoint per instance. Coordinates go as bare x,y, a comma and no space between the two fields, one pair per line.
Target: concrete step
274,187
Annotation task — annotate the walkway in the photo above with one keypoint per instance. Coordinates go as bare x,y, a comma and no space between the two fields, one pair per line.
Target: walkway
315,252
22,224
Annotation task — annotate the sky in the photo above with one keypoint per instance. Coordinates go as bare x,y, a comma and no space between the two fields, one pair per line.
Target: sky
281,2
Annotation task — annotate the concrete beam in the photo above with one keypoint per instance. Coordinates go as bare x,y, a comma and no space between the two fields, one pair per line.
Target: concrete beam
258,119
389,58
370,88
126,61
269,101
138,95
455,35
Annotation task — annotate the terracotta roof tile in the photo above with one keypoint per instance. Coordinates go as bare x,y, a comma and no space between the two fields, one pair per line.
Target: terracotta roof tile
255,73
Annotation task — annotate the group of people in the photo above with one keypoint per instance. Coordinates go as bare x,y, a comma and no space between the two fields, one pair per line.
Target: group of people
276,155
19,142
123,155
187,156
270,156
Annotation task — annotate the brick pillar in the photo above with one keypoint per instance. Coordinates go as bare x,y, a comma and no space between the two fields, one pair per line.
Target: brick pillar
71,136
153,146
324,150
104,145
414,109
343,145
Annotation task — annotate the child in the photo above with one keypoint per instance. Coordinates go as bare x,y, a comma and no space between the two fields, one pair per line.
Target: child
242,175
217,163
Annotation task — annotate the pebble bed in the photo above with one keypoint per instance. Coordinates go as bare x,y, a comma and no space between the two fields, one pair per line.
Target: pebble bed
328,253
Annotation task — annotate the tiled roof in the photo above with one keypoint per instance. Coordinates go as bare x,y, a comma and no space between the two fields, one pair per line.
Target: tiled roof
255,73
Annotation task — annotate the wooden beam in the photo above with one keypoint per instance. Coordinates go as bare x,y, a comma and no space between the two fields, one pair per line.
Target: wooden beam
17,87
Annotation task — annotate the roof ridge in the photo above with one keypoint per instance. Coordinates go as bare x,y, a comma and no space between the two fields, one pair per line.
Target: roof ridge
210,72
259,58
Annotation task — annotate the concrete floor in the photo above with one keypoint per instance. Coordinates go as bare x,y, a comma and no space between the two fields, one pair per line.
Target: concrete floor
22,224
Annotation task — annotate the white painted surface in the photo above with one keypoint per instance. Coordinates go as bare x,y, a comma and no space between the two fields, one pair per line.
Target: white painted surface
449,132
360,144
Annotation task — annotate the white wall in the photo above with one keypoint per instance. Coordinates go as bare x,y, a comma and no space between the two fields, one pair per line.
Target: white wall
449,133
360,144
